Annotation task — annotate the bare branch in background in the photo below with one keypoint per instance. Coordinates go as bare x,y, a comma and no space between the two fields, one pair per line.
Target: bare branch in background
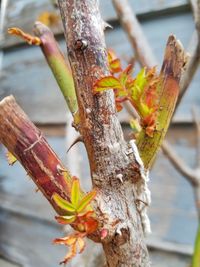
197,124
179,164
196,13
194,50
128,19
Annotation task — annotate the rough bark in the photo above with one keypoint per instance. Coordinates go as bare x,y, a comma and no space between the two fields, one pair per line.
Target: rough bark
113,167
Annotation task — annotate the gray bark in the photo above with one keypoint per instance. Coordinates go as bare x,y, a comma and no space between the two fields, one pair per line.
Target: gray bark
114,170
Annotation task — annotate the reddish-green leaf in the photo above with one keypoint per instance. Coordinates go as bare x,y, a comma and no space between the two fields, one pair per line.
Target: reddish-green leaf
63,204
105,83
85,201
75,192
115,66
126,74
114,62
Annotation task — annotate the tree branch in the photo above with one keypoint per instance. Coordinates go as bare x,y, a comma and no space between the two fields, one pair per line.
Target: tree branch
168,92
179,164
196,14
28,145
128,19
197,124
58,65
190,68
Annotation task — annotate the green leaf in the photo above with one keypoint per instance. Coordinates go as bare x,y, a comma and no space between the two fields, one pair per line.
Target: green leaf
11,158
63,204
137,87
75,192
85,201
108,82
115,65
141,78
125,75
144,110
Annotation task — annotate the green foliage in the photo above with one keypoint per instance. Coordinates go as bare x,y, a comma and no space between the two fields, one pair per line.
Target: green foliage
78,204
140,91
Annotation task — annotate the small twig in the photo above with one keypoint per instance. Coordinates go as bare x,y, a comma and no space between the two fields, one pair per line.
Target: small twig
179,164
135,34
196,13
193,62
197,124
58,65
190,67
197,198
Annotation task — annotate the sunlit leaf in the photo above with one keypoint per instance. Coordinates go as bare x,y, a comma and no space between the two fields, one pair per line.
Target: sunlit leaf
114,62
111,55
75,191
125,75
85,201
63,204
115,66
11,158
137,87
105,83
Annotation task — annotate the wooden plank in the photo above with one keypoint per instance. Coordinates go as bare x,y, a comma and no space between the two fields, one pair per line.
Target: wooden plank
23,13
28,78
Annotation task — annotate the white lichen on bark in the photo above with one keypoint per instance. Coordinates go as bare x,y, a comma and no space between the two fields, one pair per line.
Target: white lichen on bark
141,191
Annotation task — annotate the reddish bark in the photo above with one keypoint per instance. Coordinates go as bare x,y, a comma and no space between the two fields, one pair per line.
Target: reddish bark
29,146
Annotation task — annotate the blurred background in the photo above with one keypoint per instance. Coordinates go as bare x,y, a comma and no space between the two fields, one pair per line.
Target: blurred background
27,225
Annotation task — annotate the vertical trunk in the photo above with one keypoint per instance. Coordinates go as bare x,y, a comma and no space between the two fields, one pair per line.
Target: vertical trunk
113,167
